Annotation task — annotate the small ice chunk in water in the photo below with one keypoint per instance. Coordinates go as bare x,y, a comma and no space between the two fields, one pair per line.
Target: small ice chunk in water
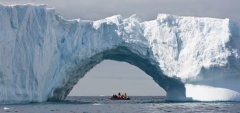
6,108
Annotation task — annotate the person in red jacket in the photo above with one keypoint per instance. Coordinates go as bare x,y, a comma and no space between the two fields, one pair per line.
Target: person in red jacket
119,95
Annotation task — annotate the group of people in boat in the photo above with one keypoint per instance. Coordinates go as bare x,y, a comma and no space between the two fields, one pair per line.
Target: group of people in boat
120,96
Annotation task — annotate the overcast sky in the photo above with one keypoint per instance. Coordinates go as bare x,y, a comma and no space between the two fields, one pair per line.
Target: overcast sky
146,9
110,77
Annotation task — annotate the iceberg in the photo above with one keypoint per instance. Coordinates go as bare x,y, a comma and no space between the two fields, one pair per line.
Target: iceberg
42,55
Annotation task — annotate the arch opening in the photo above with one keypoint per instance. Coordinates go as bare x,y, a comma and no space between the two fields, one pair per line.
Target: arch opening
110,77
175,89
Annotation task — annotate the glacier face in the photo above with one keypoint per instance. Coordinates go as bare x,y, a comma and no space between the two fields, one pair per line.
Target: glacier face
42,55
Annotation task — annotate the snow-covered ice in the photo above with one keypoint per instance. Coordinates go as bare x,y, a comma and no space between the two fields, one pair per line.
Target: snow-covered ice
42,55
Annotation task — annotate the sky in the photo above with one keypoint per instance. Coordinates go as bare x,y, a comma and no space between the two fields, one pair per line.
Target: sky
111,76
145,9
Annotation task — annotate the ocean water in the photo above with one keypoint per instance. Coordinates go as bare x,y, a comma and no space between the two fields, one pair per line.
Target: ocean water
137,104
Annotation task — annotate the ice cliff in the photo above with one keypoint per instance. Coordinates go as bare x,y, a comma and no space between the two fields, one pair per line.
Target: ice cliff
42,55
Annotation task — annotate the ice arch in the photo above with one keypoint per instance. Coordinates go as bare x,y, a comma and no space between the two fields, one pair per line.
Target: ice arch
43,55
175,88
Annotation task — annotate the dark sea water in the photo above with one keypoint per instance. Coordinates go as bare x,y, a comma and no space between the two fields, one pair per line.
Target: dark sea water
137,104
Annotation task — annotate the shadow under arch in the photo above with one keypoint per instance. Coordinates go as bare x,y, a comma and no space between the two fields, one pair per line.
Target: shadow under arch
175,89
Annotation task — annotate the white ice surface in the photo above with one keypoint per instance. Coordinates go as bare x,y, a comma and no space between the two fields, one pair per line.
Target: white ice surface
208,93
42,55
